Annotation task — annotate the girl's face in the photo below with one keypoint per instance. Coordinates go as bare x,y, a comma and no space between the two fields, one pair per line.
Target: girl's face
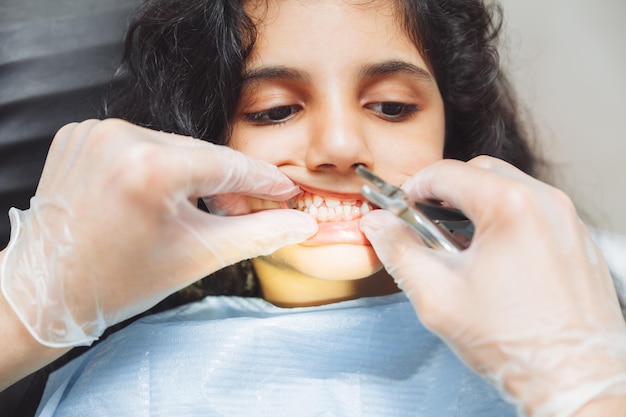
332,84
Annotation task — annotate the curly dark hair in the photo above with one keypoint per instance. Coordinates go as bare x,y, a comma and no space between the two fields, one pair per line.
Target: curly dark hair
183,62
460,40
181,69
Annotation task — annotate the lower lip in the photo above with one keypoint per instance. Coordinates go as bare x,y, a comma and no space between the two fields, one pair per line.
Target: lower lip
346,232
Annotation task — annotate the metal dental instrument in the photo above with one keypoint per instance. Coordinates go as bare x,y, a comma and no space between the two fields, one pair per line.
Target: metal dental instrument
436,225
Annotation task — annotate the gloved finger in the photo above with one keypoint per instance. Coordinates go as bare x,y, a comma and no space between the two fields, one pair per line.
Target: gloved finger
499,196
449,181
240,237
418,271
498,166
216,170
228,204
237,204
206,169
147,159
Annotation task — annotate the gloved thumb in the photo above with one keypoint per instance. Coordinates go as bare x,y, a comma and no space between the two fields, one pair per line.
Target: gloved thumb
418,271
225,240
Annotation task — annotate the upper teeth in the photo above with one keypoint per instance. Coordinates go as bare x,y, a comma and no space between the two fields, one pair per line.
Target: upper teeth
331,209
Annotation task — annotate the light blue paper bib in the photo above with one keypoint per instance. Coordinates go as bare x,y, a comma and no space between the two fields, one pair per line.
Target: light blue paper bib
230,356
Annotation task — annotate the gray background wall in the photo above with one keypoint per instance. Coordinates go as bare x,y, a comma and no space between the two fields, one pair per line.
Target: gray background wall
568,60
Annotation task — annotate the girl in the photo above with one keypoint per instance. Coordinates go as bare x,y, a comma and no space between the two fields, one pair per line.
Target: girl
313,89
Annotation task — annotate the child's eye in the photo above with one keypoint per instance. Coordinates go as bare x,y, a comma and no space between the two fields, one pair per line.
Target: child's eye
393,111
274,115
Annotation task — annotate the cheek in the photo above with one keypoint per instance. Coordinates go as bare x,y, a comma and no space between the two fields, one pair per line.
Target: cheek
426,146
239,140
263,144
409,147
406,156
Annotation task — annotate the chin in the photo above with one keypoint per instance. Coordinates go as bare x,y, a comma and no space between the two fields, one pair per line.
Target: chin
334,262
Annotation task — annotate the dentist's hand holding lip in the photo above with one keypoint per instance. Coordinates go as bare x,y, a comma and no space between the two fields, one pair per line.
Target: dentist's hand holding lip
530,304
113,228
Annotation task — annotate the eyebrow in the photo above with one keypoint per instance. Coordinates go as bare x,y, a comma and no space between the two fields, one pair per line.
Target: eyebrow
369,71
394,67
273,73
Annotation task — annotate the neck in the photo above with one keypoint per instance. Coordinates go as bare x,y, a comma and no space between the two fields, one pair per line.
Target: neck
293,289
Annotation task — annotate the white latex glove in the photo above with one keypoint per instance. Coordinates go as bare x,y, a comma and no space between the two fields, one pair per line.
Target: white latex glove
530,304
113,227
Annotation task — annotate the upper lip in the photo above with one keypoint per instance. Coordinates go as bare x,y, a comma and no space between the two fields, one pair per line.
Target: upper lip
332,194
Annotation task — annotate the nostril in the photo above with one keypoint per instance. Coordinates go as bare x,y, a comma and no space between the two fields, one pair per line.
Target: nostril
326,166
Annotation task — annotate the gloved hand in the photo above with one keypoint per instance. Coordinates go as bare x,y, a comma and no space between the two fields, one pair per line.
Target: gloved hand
530,304
113,227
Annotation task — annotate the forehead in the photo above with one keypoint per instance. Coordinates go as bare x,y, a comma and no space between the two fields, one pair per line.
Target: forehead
260,8
266,13
325,28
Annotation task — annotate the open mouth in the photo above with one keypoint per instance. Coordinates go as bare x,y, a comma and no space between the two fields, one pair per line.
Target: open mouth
326,209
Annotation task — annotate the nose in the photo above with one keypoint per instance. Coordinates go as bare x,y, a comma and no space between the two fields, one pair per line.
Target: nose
338,140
